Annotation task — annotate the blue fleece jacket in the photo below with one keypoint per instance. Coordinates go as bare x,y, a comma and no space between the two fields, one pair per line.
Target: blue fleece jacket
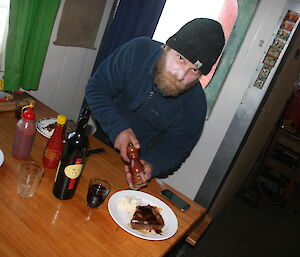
121,95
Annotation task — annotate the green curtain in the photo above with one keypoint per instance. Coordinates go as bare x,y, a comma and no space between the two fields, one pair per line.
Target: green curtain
30,27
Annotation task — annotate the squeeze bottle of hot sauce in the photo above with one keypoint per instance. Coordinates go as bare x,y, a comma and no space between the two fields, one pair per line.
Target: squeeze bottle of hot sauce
24,136
54,146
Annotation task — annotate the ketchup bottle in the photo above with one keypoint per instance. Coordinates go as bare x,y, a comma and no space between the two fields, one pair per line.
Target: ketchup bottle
54,146
136,168
24,136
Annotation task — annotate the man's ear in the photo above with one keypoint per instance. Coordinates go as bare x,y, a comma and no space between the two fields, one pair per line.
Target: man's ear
165,47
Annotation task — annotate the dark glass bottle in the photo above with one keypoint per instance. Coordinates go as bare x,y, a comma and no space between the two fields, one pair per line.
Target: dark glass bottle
136,168
72,160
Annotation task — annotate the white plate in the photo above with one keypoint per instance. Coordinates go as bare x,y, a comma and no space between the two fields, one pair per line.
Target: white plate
122,218
41,126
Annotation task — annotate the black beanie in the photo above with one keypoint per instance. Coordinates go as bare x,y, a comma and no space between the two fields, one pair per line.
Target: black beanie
201,41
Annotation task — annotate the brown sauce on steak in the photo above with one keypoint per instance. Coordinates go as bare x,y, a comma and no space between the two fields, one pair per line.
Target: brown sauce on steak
147,217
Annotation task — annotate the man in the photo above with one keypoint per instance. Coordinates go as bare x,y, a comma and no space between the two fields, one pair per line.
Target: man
148,94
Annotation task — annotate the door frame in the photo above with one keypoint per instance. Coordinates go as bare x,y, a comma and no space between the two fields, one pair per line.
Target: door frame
260,129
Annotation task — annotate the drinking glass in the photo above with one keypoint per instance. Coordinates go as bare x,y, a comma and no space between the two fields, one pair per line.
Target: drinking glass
29,177
97,192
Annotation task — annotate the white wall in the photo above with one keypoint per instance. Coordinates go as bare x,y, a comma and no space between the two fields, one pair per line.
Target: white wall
67,70
190,176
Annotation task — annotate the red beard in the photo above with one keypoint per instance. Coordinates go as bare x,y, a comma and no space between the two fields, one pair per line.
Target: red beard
166,82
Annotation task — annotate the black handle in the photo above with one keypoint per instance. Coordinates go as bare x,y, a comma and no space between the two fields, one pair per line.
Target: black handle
97,150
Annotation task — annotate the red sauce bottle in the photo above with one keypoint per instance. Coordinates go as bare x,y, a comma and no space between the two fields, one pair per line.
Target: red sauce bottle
25,133
54,146
136,168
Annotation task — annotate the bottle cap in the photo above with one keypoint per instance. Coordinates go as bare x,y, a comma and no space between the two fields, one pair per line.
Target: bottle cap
61,119
28,114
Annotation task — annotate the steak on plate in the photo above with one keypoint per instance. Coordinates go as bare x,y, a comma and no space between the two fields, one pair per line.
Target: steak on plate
147,217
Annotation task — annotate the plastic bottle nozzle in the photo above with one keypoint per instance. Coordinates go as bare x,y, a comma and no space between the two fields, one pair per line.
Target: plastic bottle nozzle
30,105
28,114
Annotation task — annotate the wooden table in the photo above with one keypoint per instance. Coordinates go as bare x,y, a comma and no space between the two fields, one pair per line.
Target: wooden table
46,226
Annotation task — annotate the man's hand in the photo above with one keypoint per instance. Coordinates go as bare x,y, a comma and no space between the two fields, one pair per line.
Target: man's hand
146,176
122,141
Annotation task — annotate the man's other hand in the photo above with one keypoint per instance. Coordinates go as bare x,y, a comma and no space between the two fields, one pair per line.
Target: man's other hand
122,141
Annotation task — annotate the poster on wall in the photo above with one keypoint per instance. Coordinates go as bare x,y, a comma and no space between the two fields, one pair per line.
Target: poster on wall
245,12
227,18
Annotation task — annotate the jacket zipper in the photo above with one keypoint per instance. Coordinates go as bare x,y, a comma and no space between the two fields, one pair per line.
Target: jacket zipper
147,100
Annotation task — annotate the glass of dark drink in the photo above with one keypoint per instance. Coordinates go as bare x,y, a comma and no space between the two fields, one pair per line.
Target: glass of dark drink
97,192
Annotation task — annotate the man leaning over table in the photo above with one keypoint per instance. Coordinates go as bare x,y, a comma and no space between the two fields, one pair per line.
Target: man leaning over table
148,94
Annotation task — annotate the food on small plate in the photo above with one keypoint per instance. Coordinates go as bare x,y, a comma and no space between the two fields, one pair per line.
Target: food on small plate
50,126
145,218
6,97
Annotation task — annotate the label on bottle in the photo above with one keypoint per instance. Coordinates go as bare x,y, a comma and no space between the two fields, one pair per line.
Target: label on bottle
52,154
73,171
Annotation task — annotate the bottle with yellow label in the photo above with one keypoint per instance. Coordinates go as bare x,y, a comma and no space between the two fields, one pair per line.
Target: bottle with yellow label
72,160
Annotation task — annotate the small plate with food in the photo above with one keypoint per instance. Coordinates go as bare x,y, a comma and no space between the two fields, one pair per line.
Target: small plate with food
46,126
142,215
